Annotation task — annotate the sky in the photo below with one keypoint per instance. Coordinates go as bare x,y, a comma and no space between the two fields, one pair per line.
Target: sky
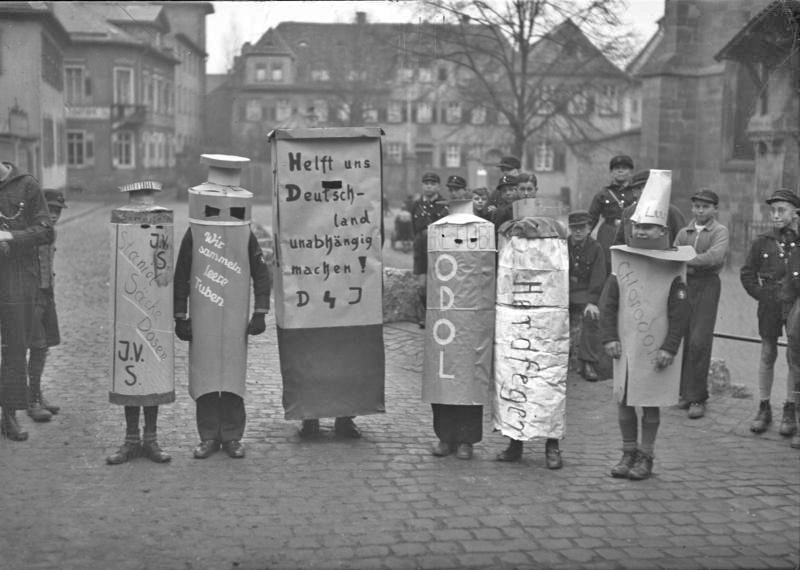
234,23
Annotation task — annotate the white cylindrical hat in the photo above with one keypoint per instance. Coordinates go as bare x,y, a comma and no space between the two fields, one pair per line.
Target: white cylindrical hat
653,204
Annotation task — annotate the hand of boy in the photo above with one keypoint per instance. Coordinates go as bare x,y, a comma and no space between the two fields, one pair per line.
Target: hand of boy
591,311
613,348
663,359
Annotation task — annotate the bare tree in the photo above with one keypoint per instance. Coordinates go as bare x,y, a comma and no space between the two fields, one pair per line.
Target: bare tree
534,63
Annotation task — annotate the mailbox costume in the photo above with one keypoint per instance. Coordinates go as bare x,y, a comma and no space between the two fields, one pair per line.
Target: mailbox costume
218,257
459,327
142,371
643,315
24,225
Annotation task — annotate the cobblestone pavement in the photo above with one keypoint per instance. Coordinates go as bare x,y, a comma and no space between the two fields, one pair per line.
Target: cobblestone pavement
720,497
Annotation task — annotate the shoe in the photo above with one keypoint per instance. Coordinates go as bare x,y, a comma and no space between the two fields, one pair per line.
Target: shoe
344,427
788,426
421,324
206,448
128,450
763,417
234,448
643,467
153,452
48,406
464,451
697,410
512,453
621,469
795,443
38,413
589,373
553,455
683,404
10,428
442,449
310,428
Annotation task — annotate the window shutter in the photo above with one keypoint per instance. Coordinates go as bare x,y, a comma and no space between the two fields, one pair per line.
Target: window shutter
88,148
87,87
559,161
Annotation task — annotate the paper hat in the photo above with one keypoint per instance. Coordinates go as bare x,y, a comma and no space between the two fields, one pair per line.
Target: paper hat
143,186
653,204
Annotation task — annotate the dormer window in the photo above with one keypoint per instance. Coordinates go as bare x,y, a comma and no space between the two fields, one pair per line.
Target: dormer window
261,72
276,73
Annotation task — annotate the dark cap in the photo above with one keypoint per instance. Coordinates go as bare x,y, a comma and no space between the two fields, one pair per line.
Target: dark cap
431,177
456,182
621,160
507,180
54,198
579,218
509,162
784,195
640,178
705,195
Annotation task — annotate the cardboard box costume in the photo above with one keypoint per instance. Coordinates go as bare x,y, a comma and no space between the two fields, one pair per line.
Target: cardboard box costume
142,245
327,221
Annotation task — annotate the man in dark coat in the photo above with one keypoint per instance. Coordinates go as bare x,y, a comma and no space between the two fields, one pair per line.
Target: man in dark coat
24,225
426,210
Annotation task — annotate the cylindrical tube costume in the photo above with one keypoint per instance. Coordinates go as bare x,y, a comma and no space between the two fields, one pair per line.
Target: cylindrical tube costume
531,356
459,320
327,220
219,298
142,368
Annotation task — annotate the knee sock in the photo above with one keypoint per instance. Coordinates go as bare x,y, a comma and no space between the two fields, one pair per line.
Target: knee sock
628,427
150,420
651,418
131,424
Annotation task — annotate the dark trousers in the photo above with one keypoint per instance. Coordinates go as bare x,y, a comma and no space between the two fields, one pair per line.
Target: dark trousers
458,424
15,319
703,300
220,416
587,345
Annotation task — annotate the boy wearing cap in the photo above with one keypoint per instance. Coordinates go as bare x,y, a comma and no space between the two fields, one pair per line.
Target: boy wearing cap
506,195
44,332
761,274
643,315
607,205
587,274
710,240
457,186
426,210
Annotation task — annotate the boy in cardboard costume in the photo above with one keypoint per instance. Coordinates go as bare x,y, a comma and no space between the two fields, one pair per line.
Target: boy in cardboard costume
643,315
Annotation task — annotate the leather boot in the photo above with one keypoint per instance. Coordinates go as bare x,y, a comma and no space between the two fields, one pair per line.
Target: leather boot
788,421
130,449
763,417
512,453
152,451
9,426
643,467
52,408
621,469
553,454
37,411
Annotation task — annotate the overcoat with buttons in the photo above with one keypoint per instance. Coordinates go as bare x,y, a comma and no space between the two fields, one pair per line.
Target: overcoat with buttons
761,274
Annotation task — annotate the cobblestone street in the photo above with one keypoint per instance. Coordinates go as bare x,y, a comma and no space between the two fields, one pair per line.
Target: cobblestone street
720,497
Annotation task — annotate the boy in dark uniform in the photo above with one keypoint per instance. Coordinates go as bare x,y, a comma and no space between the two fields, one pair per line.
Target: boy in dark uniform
429,208
761,273
587,274
789,295
607,205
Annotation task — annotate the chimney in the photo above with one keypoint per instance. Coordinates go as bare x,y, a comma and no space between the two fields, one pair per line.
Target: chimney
361,17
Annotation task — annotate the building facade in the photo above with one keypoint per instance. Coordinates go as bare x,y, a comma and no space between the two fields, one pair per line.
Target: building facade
32,120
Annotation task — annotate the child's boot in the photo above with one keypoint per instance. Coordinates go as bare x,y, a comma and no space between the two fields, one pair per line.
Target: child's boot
553,454
152,450
788,421
131,448
621,469
36,410
643,467
763,418
513,452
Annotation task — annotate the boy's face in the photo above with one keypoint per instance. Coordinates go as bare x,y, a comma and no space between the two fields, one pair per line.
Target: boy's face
620,174
527,190
429,189
579,233
479,201
703,212
647,231
509,193
457,193
782,214
55,213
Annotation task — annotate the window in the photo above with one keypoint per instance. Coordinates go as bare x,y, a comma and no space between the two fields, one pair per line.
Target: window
424,112
283,110
74,84
394,112
343,113
80,148
122,149
253,110
370,114
261,72
320,75
452,156
425,75
453,112
478,116
394,153
48,142
544,157
607,100
578,104
321,110
123,86
277,72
